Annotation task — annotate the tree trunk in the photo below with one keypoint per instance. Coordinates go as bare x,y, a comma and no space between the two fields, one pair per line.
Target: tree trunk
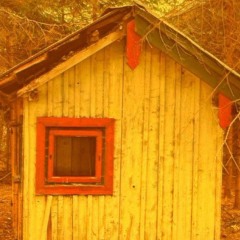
237,159
229,164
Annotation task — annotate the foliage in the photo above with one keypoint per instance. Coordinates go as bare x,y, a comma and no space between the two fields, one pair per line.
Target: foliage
29,26
214,24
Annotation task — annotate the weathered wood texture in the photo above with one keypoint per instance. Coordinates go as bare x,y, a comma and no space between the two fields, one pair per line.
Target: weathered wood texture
167,173
15,130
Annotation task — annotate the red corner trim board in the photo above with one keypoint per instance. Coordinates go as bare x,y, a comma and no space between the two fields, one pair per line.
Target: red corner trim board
133,46
225,111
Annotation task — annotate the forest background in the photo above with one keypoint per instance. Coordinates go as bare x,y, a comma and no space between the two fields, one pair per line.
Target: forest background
28,26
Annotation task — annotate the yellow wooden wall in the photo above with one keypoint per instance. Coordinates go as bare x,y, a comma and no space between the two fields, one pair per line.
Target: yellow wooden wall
167,171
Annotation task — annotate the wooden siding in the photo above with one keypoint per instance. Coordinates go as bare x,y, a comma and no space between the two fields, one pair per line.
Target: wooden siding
167,172
15,125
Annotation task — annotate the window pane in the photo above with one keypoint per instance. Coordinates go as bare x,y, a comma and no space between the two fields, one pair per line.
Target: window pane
74,156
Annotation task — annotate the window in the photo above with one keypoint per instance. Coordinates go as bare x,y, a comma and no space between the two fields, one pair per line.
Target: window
74,155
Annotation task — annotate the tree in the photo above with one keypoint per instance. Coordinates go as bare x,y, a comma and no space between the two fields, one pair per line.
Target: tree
28,26
214,24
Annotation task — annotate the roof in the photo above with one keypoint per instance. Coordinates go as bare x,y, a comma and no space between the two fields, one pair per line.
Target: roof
110,27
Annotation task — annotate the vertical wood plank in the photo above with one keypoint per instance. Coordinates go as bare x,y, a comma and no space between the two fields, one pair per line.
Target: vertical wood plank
83,98
168,150
60,218
197,105
153,150
161,146
53,215
101,217
85,89
102,71
57,111
25,171
77,90
41,110
205,210
145,145
45,222
19,169
89,217
201,179
210,167
65,92
49,99
186,155
133,99
75,216
57,96
74,108
31,174
86,100
176,165
67,106
71,92
14,168
218,179
67,217
96,76
82,217
36,205
81,201
54,218
113,108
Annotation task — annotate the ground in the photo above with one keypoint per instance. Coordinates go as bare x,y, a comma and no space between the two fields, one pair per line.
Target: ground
6,231
230,216
230,220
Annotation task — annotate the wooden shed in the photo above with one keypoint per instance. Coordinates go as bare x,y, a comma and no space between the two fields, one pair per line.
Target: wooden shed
114,134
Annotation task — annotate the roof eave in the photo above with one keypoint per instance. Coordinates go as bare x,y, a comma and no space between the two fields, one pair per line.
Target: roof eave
41,63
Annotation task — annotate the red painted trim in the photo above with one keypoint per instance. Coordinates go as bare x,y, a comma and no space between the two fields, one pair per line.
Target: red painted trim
224,111
98,160
75,179
109,155
74,122
50,157
56,186
40,168
133,46
74,190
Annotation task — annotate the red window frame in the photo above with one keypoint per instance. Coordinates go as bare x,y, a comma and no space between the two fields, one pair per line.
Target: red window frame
47,129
